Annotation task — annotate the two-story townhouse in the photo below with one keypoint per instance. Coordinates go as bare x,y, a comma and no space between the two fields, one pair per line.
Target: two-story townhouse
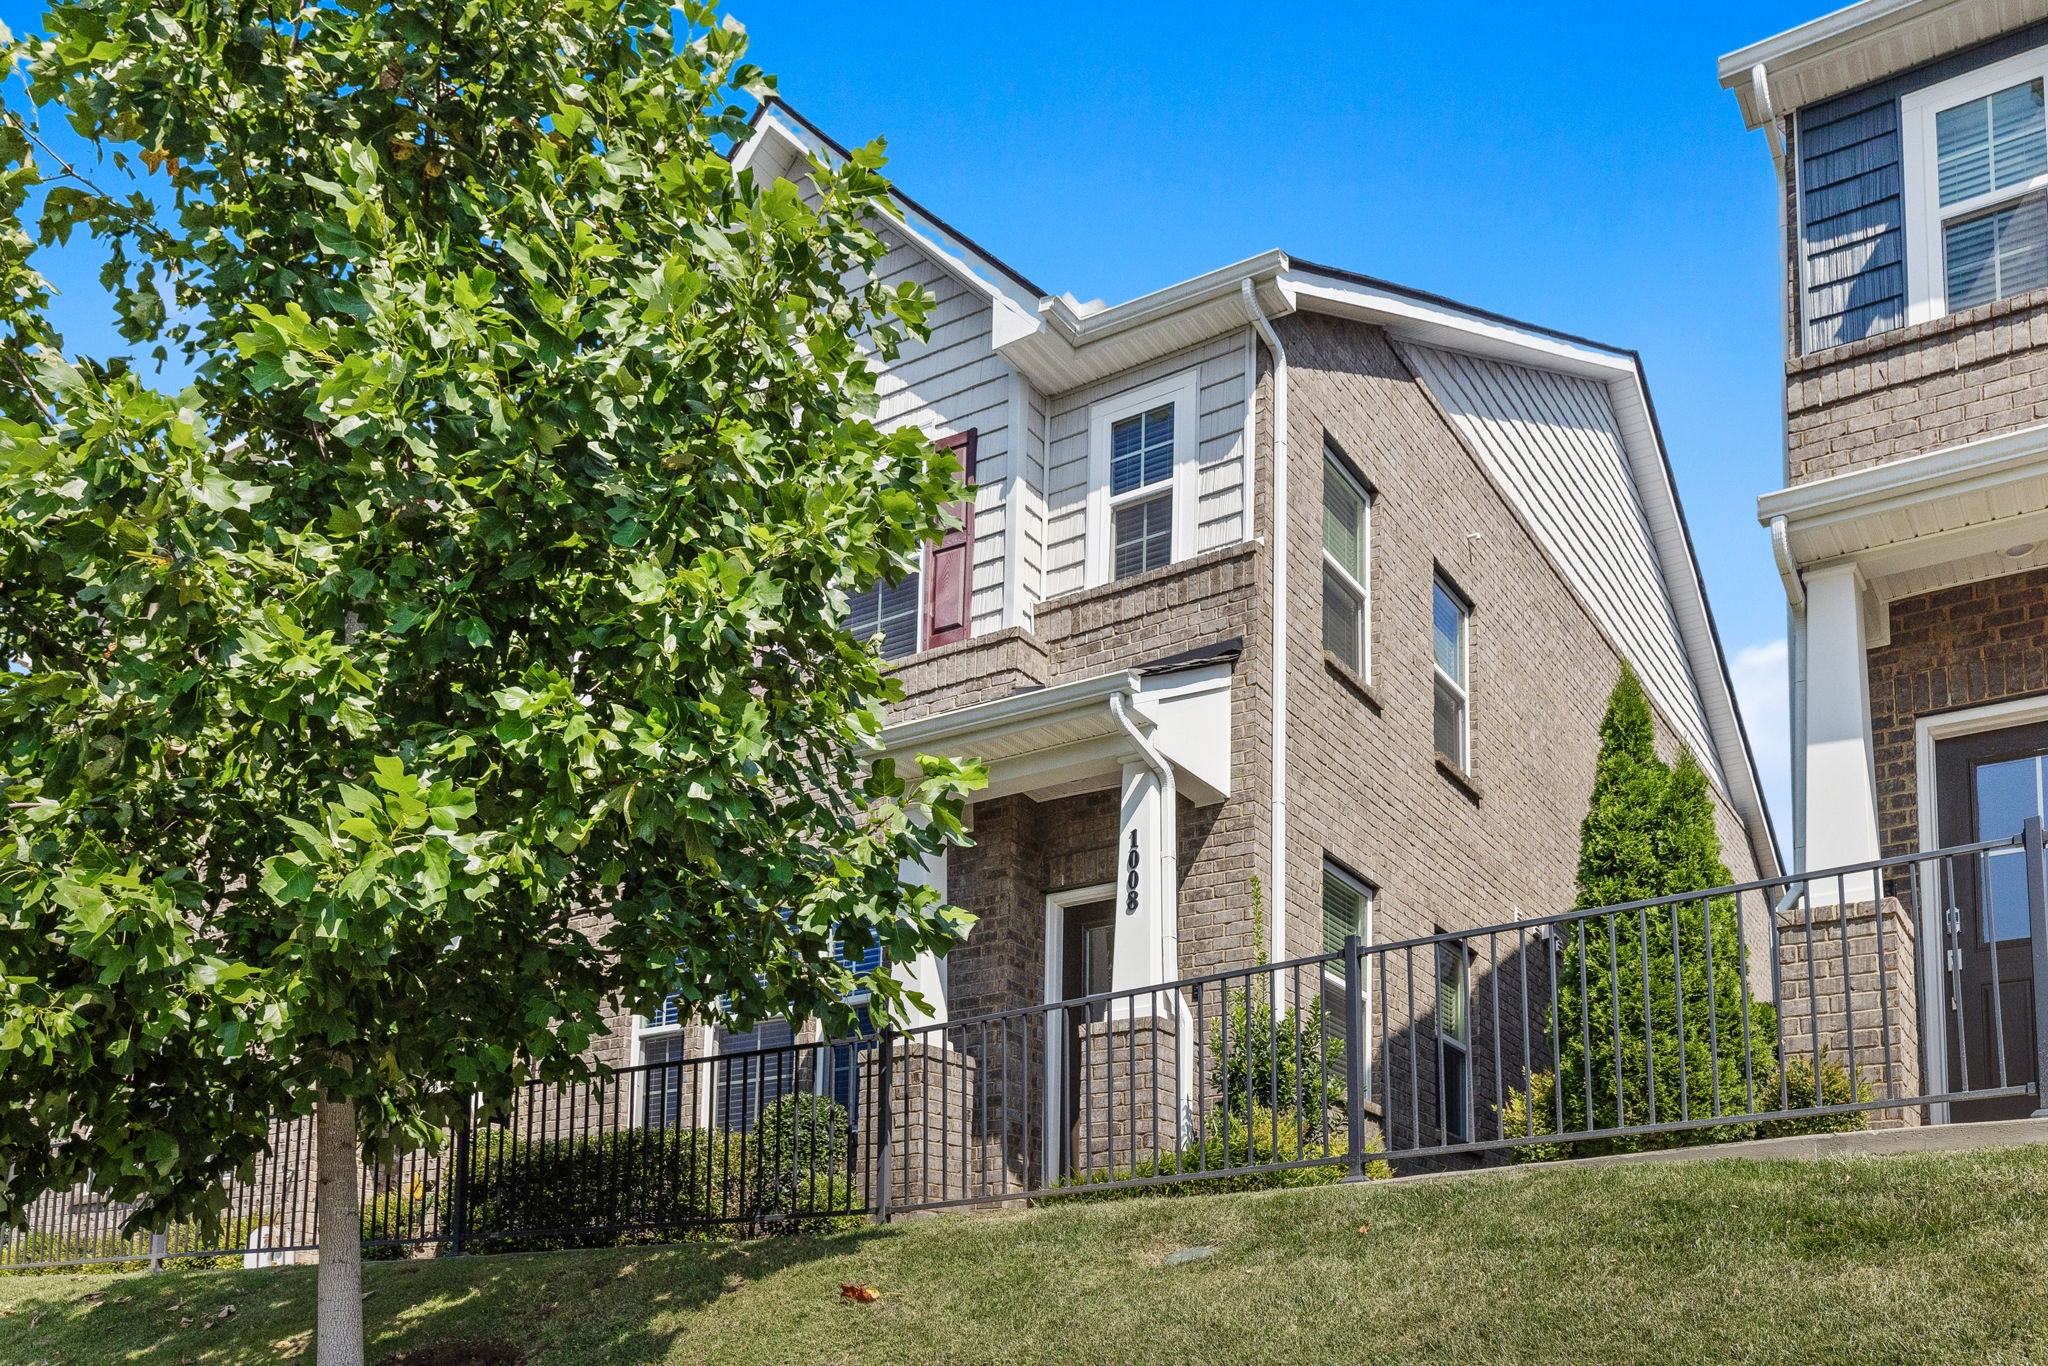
1213,732
1912,527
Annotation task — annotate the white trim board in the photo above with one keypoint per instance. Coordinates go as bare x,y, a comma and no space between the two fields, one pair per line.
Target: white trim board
1056,906
1184,392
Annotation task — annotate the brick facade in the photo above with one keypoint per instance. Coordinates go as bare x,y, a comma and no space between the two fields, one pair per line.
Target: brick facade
1960,647
1849,993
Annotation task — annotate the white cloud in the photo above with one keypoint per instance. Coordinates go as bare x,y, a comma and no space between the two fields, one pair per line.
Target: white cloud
1761,690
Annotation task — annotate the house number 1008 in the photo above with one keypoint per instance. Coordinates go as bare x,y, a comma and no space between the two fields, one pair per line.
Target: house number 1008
1131,878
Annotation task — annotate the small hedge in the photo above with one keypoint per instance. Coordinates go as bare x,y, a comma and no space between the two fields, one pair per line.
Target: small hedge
398,1222
665,1185
1232,1142
1836,1088
70,1250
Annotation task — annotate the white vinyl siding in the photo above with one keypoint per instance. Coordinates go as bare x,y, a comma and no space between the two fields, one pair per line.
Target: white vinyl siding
1219,509
950,383
1552,443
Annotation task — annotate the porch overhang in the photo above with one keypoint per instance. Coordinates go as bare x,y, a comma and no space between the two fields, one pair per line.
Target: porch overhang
1955,516
1065,739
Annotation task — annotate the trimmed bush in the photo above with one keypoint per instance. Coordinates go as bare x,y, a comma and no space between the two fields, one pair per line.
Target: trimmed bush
44,1246
396,1222
1251,1139
1836,1088
1261,1070
649,1186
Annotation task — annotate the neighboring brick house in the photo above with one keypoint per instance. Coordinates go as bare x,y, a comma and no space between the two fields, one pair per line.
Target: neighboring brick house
1912,531
1480,526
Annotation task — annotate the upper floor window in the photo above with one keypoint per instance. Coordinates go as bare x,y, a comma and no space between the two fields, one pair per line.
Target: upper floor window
1143,494
1141,489
934,604
1451,643
1346,565
888,610
1976,172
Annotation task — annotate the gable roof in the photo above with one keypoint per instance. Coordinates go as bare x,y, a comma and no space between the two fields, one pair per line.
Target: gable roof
1059,347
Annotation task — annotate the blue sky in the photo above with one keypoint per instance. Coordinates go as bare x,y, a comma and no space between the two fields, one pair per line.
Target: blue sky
1575,166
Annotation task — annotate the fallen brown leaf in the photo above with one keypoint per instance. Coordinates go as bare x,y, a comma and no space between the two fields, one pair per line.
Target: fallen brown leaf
859,1294
1365,1228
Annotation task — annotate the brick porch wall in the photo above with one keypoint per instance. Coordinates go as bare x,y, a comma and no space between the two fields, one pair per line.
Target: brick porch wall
1960,647
1849,986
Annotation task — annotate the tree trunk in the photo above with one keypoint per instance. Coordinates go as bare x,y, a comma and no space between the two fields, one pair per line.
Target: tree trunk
338,1318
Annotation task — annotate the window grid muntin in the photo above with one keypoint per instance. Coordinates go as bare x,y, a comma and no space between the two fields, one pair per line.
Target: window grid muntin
890,610
1141,449
1141,535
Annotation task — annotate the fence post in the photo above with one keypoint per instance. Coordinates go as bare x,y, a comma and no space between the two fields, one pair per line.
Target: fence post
885,1122
1354,1053
2032,844
159,1247
458,1204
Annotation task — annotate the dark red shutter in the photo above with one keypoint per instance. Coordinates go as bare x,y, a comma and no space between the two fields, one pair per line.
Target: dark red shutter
949,562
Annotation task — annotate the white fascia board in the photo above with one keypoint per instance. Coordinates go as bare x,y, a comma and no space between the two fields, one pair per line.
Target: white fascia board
1452,329
1083,328
1859,45
1879,489
1009,715
1067,349
1013,307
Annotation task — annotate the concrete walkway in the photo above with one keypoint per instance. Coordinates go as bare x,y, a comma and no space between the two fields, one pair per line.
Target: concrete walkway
1923,1138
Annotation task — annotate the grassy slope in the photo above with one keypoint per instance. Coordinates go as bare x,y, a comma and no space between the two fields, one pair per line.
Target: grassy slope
1868,1260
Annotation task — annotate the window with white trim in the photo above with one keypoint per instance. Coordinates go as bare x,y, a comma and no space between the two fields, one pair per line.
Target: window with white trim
1347,508
1143,495
887,610
1347,908
1976,173
1451,648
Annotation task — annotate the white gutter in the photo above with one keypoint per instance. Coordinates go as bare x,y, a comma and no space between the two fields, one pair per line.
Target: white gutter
1169,834
1795,679
1774,135
1276,895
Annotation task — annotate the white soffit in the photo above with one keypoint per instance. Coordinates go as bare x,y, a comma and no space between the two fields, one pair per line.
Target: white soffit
1861,44
1056,741
1928,522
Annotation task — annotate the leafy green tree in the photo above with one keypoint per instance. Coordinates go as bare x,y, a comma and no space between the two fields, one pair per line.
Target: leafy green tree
463,650
1651,1004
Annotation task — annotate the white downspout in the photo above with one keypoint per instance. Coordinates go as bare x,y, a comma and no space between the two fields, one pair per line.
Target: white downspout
1276,894
1169,834
1795,671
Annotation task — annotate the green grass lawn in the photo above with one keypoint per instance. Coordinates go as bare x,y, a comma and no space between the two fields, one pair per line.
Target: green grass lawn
1894,1259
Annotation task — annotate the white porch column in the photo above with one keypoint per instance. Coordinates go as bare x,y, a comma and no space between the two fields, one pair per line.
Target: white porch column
1840,794
925,974
1144,954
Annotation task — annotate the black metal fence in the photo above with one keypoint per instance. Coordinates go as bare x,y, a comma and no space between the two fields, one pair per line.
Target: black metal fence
1900,992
